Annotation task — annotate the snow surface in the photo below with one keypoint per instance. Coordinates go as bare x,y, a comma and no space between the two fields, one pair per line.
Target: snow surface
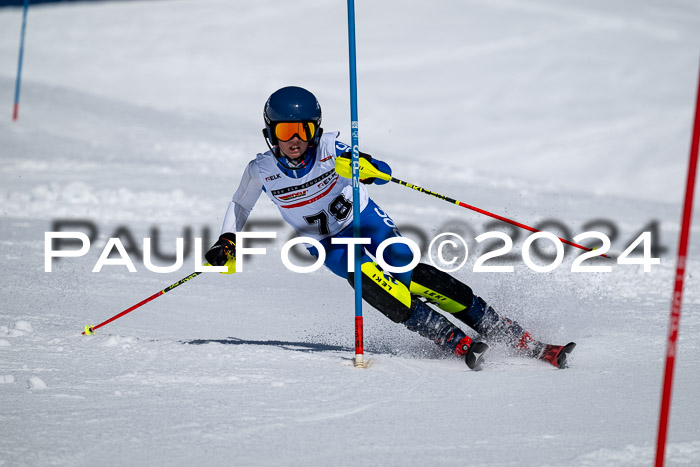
143,114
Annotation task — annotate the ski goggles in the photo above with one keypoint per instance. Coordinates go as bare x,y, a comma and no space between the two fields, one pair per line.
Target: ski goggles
284,131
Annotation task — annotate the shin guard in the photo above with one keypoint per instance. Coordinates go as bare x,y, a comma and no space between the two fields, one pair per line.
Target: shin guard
387,295
441,288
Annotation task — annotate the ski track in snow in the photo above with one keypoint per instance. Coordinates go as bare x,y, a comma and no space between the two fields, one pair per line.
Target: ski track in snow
535,111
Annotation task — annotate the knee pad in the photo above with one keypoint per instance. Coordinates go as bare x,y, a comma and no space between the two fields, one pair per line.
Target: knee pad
384,293
441,288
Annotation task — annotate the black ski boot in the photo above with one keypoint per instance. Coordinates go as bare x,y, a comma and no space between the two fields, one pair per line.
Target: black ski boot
431,324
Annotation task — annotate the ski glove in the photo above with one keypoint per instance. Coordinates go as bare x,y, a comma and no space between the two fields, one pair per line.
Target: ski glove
224,248
379,165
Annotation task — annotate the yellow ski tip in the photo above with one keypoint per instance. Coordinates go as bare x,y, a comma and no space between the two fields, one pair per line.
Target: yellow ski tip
88,330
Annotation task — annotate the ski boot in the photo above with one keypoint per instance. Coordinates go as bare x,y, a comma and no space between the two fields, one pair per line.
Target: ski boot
553,354
457,298
431,324
471,352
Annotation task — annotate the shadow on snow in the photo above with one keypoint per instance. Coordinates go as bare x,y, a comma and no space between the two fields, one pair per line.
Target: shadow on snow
374,348
296,346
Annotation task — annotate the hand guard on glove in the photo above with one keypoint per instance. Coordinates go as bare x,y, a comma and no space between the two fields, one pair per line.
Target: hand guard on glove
224,248
379,165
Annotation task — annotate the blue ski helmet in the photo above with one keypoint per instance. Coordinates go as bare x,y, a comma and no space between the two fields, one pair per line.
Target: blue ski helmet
291,104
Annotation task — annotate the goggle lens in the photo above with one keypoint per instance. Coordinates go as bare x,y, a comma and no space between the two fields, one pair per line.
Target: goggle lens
285,131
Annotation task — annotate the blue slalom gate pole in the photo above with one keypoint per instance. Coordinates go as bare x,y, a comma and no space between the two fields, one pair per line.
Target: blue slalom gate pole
359,350
15,110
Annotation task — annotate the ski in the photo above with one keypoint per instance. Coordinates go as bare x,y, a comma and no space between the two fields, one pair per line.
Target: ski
474,355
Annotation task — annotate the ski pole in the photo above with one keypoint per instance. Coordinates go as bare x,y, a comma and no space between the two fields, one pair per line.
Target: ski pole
231,268
91,329
367,170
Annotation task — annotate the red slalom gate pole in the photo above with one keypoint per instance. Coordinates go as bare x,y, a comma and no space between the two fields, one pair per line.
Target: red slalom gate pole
675,318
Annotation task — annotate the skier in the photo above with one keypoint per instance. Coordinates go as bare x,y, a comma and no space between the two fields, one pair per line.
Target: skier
298,174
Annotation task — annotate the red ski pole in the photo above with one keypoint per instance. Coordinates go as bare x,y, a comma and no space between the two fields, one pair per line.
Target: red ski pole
91,329
486,213
342,166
